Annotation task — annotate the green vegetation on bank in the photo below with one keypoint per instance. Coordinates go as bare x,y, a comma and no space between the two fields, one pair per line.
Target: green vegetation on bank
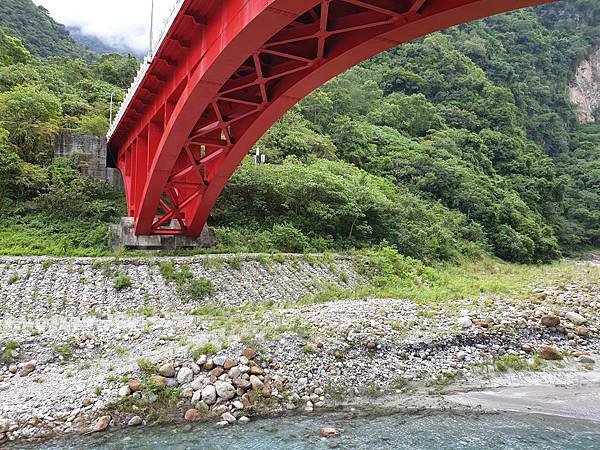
459,144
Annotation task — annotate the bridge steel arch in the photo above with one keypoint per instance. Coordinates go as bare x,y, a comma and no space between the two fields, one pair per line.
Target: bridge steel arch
227,70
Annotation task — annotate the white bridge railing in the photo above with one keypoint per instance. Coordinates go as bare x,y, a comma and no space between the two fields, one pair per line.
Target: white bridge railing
143,70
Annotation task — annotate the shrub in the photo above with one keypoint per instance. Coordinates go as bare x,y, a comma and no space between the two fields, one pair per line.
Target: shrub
200,289
287,238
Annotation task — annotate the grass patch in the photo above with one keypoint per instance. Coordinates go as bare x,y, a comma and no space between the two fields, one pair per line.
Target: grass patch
200,289
208,349
148,367
514,362
122,282
65,350
235,262
173,275
9,351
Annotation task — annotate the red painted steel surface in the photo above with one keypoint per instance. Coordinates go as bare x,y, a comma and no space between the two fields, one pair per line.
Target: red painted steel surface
228,69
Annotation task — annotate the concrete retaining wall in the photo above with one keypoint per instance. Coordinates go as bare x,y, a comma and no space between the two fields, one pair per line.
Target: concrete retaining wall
92,155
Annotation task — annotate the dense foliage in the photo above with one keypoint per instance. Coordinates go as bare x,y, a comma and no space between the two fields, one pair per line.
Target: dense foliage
459,143
477,118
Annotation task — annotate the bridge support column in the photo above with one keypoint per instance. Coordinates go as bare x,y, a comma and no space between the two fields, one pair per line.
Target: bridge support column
122,237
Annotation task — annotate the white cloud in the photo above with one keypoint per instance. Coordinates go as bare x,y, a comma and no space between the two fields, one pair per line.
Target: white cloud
120,23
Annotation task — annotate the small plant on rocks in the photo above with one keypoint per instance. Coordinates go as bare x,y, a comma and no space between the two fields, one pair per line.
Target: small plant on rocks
200,289
208,349
9,351
122,282
235,262
65,350
172,275
513,362
147,366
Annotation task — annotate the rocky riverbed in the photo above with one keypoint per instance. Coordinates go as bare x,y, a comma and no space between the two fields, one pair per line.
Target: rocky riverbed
97,344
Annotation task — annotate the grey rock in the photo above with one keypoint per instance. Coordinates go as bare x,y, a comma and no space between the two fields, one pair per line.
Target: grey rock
256,383
135,421
167,370
225,390
221,409
576,318
220,360
586,360
209,394
465,322
228,417
185,375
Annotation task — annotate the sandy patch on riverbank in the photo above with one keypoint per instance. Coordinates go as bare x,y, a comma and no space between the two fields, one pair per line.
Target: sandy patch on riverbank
571,394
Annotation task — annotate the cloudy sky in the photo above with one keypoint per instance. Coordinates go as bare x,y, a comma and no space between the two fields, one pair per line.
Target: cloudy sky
120,23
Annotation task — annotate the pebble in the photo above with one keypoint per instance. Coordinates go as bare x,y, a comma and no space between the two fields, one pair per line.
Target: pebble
327,432
550,320
586,360
192,415
582,331
465,322
209,394
28,367
4,425
167,370
124,391
102,424
225,390
576,318
256,383
158,381
219,360
243,420
550,352
228,417
135,385
135,421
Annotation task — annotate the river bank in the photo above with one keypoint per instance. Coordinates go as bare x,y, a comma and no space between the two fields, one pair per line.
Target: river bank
265,335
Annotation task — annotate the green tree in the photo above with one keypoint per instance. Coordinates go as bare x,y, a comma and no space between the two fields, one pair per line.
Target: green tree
31,117
11,50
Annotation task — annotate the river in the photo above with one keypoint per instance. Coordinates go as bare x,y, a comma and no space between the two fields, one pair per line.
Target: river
365,430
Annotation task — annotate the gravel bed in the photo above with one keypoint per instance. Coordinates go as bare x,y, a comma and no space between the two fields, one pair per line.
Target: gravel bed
75,361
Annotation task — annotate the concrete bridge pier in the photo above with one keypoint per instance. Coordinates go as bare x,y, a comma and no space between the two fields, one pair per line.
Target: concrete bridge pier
123,237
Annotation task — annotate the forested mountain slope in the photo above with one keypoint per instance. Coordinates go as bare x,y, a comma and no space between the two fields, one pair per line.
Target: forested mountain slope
461,143
477,118
40,34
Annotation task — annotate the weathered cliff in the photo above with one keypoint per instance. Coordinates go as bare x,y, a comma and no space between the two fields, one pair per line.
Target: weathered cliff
585,91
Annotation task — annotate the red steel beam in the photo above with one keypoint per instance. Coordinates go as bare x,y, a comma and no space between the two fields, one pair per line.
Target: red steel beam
228,69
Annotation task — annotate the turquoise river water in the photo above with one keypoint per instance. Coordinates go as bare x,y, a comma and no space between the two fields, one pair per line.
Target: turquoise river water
379,430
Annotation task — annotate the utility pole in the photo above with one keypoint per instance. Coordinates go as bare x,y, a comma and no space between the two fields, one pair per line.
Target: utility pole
111,108
151,29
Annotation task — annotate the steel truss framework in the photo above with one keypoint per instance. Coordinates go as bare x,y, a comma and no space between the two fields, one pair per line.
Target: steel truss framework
228,69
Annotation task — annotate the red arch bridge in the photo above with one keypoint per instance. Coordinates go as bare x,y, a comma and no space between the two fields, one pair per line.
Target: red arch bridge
225,70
